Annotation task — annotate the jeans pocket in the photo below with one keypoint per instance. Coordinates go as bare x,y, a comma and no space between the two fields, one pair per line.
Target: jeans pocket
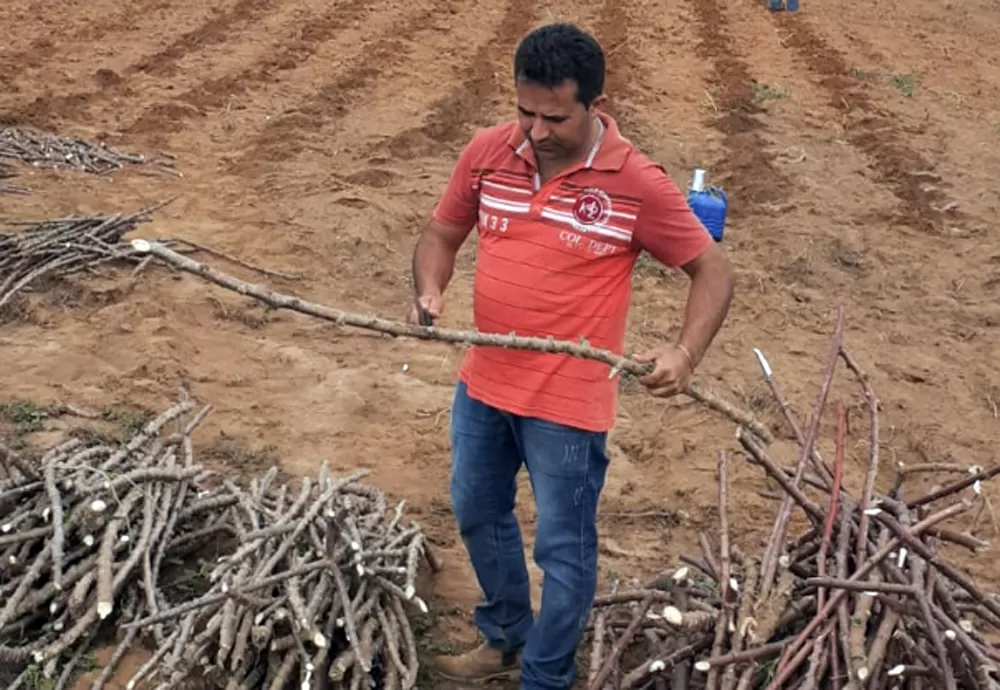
560,451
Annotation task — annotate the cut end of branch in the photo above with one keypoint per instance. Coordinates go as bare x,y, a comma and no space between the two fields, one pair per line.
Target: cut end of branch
104,609
673,615
764,364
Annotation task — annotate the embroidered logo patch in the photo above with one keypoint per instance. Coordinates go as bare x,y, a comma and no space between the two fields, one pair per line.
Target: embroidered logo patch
592,206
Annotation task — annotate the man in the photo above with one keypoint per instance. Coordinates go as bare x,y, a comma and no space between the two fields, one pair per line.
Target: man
563,205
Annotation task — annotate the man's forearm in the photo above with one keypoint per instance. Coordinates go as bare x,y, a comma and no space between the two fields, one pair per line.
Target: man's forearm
433,264
707,306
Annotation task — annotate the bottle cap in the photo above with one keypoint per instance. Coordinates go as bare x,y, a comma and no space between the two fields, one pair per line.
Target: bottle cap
698,181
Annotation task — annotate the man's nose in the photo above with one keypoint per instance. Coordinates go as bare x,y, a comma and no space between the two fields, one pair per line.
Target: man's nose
539,132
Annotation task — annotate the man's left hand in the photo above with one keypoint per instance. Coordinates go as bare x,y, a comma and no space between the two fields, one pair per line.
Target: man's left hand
672,373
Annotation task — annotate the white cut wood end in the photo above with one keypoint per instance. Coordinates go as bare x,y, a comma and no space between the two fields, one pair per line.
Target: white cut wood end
104,609
673,615
762,360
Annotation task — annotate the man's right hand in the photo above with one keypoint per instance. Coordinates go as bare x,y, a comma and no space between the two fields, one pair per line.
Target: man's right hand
433,305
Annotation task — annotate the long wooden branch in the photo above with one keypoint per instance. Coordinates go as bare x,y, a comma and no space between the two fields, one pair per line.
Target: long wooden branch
395,328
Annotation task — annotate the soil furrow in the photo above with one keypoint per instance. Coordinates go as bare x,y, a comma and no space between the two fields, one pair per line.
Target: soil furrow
283,137
469,104
872,131
218,29
173,115
45,109
625,70
747,172
87,28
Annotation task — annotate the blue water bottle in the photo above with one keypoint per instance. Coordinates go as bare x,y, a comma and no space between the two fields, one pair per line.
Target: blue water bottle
792,5
775,5
709,204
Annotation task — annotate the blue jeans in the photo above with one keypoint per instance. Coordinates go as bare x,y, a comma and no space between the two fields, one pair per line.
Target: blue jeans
566,468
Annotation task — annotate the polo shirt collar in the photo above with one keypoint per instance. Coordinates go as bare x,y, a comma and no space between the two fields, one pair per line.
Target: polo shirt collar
612,151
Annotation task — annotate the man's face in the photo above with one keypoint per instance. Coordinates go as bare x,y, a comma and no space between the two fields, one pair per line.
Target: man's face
557,124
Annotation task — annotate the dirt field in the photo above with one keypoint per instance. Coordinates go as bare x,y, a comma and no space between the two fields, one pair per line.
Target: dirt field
315,136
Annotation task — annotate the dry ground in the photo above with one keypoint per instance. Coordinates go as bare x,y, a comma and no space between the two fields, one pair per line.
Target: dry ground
859,144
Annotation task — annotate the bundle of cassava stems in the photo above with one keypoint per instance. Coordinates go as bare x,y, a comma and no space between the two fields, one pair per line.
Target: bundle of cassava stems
863,598
234,584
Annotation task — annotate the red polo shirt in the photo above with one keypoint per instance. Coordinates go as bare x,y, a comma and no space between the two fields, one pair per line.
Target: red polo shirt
557,261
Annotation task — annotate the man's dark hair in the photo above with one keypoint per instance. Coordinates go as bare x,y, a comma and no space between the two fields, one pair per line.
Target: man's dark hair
551,54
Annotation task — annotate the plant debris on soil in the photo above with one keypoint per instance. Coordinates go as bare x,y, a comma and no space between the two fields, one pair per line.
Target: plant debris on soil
314,581
864,598
7,172
45,150
62,247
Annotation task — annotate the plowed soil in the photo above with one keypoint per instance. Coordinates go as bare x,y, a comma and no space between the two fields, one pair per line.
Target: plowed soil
859,144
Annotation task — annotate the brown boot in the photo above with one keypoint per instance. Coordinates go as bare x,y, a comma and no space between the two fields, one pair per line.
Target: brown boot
481,664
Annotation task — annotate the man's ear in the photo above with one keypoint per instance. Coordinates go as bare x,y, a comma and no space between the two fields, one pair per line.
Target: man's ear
599,101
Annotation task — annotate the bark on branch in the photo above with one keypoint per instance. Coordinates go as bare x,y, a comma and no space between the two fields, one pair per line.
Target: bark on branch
448,335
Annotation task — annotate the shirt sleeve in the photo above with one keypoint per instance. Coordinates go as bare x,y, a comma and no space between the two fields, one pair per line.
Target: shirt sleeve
666,227
459,203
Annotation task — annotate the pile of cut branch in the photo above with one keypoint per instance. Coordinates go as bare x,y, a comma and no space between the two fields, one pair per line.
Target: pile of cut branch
57,248
306,583
7,172
863,598
41,149
62,247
